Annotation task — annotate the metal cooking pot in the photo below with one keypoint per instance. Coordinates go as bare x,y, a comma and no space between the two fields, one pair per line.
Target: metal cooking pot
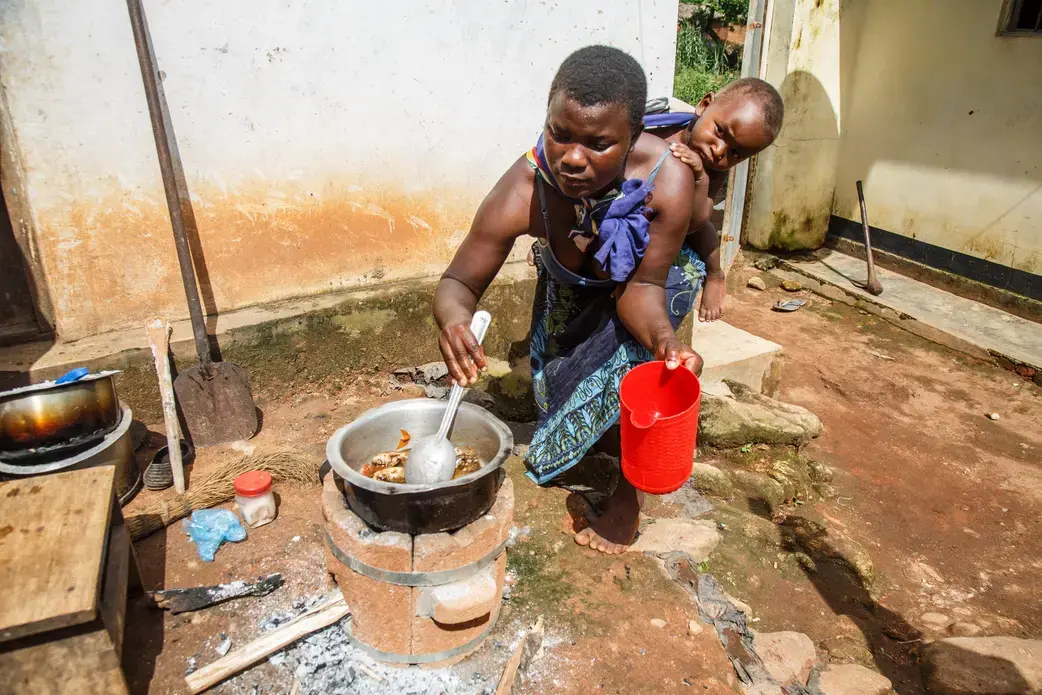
51,414
417,509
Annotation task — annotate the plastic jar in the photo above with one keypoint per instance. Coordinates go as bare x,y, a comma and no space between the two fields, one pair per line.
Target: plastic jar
254,497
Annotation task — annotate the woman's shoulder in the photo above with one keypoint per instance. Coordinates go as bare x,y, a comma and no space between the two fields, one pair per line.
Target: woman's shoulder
508,205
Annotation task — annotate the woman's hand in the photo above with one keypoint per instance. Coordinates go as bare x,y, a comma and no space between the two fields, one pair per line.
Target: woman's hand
462,354
677,354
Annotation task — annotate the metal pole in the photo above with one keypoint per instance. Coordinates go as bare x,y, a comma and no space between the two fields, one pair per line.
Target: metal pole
162,130
750,68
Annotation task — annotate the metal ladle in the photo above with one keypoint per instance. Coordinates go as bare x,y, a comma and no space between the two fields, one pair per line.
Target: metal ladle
432,459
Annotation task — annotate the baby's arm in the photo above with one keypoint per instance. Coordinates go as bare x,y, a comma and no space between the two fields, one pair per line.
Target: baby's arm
703,237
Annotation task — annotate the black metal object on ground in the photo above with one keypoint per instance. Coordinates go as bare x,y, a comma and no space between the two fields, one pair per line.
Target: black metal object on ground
214,397
199,597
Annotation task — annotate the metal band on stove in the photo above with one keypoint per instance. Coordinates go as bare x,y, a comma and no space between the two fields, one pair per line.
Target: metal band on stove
414,578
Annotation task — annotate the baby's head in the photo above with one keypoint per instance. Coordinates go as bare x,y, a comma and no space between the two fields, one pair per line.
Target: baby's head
737,122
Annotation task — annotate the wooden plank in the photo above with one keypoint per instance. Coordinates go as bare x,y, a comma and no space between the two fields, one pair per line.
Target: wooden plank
53,532
114,587
76,661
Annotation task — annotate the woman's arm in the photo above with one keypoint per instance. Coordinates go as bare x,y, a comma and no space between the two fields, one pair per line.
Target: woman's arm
502,217
642,304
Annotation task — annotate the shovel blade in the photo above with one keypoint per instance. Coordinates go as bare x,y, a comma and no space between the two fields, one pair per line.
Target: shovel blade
219,409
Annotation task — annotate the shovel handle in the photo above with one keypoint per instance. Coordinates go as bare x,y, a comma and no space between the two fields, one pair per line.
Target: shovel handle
170,166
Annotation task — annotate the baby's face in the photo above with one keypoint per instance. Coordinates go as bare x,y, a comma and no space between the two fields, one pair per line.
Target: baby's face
729,130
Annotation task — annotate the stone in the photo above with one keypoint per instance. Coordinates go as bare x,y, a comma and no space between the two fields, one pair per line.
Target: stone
658,623
937,622
711,480
385,550
819,472
991,665
385,622
766,262
757,283
696,537
787,656
751,417
694,628
760,486
436,552
791,286
994,416
965,629
852,679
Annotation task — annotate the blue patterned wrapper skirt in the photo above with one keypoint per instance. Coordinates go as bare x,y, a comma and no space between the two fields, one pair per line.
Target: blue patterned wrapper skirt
580,351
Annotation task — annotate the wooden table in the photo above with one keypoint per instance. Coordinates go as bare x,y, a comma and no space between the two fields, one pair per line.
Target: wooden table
66,566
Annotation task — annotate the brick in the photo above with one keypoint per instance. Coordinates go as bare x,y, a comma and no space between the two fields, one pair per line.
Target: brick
384,550
381,613
429,636
444,551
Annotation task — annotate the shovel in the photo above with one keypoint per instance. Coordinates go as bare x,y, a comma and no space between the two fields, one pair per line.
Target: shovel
215,397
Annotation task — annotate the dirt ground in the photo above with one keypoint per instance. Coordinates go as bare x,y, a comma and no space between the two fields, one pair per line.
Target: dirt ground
945,502
597,610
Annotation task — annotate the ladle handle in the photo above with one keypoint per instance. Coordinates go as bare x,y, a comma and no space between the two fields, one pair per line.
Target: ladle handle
478,326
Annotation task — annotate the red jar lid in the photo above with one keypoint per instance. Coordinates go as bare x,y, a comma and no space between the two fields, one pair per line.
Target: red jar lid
253,483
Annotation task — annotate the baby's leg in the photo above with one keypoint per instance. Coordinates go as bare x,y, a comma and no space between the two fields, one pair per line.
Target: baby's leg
705,241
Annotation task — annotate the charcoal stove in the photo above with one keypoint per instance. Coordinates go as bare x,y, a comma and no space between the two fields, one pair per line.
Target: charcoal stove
421,566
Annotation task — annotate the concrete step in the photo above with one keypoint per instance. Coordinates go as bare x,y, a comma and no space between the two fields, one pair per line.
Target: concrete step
989,329
731,353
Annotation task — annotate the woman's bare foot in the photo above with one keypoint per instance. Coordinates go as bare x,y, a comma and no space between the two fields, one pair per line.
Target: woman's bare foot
712,306
616,528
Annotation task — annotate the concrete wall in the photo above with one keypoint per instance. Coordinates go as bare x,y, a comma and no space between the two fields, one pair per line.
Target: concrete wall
791,187
326,144
945,128
940,117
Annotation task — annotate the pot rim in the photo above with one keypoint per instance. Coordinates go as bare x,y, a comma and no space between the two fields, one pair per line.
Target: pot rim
349,474
52,386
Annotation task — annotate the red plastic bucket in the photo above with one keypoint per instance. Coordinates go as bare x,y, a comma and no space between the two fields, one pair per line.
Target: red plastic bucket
659,425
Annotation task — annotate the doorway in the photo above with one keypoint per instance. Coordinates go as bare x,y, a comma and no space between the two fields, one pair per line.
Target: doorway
17,315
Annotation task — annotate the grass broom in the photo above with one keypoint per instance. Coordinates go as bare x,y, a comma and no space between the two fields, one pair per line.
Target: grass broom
217,486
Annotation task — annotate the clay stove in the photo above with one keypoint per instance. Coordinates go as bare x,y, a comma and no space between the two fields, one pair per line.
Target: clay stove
421,566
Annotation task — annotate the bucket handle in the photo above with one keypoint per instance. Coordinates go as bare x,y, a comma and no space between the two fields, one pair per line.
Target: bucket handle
643,421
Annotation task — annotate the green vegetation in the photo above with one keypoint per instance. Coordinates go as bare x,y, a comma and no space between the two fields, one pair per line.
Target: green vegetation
705,63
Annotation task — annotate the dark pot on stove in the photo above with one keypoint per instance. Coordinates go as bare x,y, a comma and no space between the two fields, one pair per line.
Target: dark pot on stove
418,509
51,415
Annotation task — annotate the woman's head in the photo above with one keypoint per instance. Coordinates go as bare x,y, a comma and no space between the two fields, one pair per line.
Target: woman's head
594,117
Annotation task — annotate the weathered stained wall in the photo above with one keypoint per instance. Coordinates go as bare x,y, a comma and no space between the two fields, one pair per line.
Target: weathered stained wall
790,192
945,128
326,144
940,117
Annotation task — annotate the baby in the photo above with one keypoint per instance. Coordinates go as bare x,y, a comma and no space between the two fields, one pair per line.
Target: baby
728,127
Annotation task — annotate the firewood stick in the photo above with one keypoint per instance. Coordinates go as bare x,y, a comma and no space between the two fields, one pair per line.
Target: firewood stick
322,615
159,340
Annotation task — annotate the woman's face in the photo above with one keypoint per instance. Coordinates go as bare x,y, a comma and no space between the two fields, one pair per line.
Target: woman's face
586,146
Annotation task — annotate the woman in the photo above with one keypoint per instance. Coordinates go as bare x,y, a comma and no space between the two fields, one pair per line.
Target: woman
609,210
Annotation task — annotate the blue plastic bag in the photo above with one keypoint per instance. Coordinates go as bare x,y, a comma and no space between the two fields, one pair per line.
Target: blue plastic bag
208,528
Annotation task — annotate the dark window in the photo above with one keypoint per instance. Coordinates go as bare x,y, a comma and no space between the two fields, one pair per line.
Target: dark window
1023,18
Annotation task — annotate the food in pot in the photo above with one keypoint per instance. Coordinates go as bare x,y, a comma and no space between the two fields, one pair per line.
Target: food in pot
389,466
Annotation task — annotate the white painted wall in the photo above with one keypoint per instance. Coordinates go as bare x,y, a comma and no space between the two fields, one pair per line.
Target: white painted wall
326,143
